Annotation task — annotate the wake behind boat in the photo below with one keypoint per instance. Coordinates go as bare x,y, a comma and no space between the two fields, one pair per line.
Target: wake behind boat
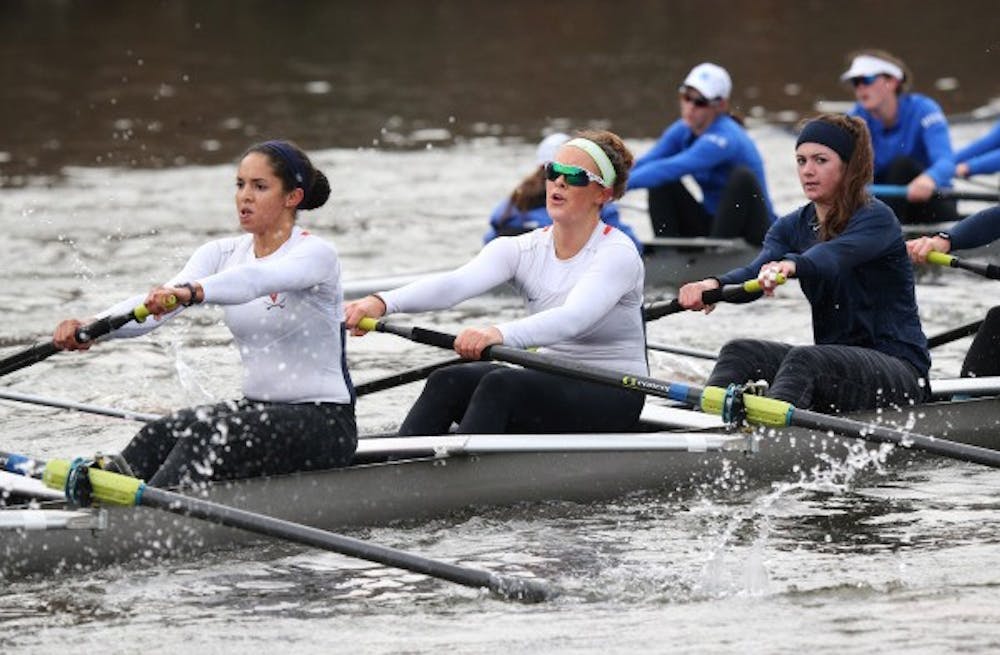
418,478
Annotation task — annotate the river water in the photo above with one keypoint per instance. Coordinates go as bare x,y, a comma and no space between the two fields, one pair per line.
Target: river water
844,559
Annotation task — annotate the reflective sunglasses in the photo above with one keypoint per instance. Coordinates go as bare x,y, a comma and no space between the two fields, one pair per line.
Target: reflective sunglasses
867,80
574,175
697,101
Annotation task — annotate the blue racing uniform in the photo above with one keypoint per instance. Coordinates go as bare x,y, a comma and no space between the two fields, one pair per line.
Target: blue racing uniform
710,158
982,155
920,133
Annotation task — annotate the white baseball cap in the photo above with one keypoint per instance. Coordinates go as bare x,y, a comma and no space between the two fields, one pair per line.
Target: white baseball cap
865,65
710,80
546,151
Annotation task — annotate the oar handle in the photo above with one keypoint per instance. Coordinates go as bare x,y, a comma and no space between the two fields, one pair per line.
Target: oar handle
84,334
744,292
990,271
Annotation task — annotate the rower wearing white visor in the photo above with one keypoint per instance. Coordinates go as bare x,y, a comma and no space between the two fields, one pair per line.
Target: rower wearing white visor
909,135
582,282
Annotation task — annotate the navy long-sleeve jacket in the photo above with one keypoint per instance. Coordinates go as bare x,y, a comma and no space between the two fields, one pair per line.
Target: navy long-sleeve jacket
981,228
859,284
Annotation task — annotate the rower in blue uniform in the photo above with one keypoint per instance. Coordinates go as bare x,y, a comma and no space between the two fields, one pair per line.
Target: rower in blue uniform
847,251
979,229
909,135
525,209
708,143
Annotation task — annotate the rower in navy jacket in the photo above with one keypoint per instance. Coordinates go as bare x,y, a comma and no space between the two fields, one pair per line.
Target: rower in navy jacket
909,135
981,228
710,145
525,209
582,282
847,251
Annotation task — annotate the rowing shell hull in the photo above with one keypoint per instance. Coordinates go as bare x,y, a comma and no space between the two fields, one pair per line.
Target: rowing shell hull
433,477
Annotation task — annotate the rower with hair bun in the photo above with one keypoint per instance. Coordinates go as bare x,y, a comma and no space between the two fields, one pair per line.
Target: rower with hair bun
281,290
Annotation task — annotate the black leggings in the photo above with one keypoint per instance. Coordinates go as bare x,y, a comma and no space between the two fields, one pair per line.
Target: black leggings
742,210
824,378
901,172
983,357
486,398
241,439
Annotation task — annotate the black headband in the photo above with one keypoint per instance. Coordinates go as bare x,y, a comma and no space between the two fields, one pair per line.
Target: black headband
826,134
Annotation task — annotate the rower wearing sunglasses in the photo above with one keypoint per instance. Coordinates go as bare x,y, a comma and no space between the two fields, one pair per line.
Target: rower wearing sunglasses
582,282
709,144
525,209
909,135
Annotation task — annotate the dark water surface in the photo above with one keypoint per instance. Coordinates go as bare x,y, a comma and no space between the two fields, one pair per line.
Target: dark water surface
163,83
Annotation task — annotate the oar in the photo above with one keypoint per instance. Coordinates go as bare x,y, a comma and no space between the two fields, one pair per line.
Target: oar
681,350
760,410
6,394
85,333
403,377
114,489
899,191
990,271
744,292
954,334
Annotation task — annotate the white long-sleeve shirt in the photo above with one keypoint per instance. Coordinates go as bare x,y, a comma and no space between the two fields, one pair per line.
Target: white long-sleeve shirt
285,311
588,307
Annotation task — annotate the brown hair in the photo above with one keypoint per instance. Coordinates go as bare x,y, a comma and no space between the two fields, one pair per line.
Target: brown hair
905,83
616,150
529,194
858,173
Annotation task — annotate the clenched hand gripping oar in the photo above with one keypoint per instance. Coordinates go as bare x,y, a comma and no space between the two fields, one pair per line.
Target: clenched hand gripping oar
749,290
990,271
744,292
85,333
759,410
83,483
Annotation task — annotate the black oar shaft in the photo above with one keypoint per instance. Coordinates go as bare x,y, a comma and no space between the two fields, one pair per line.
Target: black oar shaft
403,377
114,489
759,410
871,432
507,587
95,330
954,334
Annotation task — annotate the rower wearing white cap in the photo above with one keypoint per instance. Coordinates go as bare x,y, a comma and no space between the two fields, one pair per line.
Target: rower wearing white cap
709,144
909,134
524,210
